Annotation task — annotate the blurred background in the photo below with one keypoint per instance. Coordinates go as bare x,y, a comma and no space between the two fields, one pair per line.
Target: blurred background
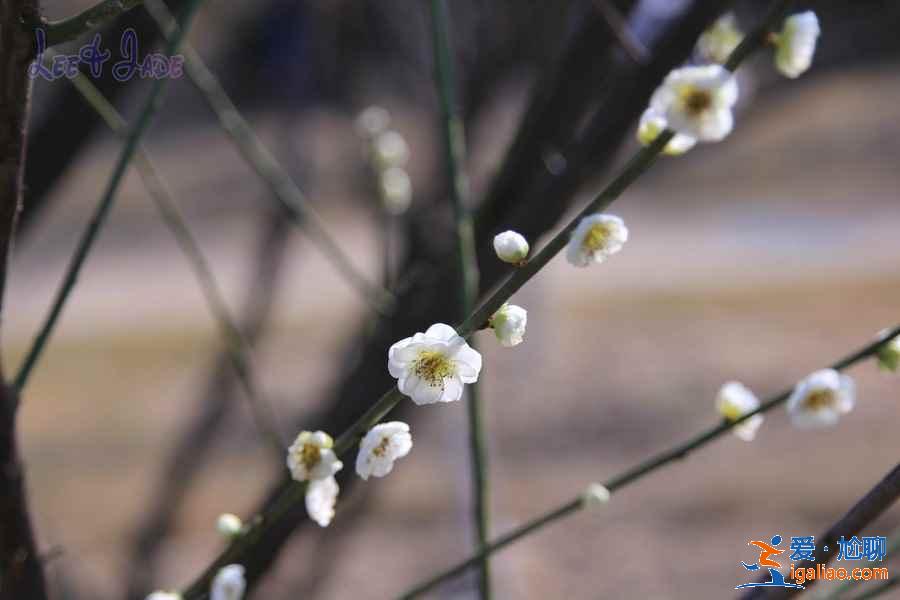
759,259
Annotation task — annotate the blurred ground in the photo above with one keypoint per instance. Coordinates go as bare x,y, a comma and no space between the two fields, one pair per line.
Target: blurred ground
758,259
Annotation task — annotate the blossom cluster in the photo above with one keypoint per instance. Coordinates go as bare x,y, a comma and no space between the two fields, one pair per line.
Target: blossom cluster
388,155
695,102
819,400
434,366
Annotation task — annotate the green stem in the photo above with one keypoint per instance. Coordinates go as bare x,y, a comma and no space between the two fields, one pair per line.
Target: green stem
638,164
267,167
635,473
98,219
91,19
236,346
467,266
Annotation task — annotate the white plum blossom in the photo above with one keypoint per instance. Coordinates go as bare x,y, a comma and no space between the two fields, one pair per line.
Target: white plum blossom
396,190
796,44
595,495
433,366
509,324
697,101
652,124
372,121
229,525
734,401
820,399
310,457
389,149
164,596
321,496
383,444
596,238
511,247
229,583
719,41
889,354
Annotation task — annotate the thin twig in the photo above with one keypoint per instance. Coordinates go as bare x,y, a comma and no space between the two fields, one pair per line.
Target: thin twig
193,449
467,267
636,473
618,26
639,163
867,509
88,20
98,219
267,167
236,346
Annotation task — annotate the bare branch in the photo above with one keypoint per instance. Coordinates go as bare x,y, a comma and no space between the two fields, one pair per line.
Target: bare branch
870,507
85,244
21,569
88,20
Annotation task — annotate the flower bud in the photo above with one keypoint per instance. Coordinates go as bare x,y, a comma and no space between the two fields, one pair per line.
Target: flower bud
595,495
396,190
372,121
229,525
389,149
889,355
796,44
508,324
511,247
719,41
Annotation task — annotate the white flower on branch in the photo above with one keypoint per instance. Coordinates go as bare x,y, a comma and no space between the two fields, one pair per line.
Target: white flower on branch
382,445
697,101
820,399
596,238
734,401
310,457
433,366
652,124
719,41
321,496
389,149
396,190
595,495
509,324
796,44
372,121
511,247
229,525
164,596
889,354
229,583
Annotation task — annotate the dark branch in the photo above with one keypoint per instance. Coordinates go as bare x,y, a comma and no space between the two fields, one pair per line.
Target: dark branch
21,570
870,507
192,451
88,20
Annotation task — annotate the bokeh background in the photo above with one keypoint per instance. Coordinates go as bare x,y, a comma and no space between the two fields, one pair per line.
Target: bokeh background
760,259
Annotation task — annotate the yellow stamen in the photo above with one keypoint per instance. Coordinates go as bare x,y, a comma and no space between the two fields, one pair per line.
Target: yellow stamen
433,366
731,411
596,237
696,100
381,448
819,400
310,456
